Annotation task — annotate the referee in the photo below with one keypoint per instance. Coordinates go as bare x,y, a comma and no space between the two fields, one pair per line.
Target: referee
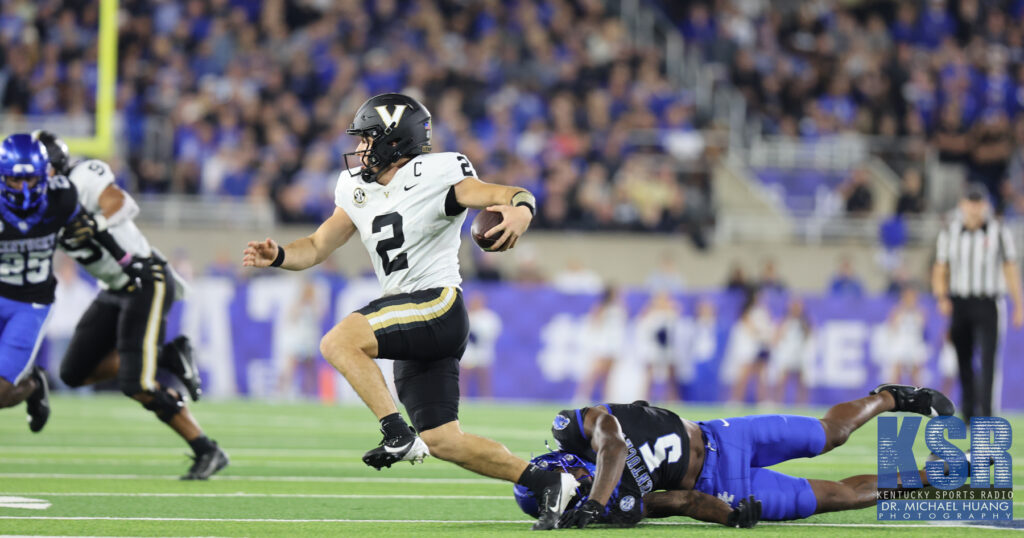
975,263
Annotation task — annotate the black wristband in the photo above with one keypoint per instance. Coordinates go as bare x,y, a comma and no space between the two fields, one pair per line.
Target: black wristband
280,257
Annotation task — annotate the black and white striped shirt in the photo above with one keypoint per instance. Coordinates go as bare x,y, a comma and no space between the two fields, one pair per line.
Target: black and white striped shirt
976,258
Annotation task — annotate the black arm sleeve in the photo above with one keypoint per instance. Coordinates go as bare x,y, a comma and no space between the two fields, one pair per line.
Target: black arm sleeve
451,204
109,244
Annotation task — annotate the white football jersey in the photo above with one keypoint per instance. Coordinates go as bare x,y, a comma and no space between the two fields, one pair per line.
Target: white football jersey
413,242
91,177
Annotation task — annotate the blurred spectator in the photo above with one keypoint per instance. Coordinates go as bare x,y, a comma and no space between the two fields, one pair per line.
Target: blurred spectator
302,331
703,343
930,74
792,353
527,270
605,340
856,193
899,278
949,368
658,335
182,264
952,140
770,280
737,281
990,155
910,201
899,344
845,283
487,266
481,351
576,278
251,99
666,277
223,266
748,350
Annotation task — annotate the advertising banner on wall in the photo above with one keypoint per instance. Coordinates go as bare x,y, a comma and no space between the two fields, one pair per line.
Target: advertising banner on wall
549,342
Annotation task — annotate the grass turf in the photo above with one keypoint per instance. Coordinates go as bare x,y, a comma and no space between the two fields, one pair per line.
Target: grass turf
109,468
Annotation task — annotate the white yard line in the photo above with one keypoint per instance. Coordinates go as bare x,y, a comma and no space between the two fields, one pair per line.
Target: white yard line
275,496
844,453
470,521
355,479
265,495
173,451
164,461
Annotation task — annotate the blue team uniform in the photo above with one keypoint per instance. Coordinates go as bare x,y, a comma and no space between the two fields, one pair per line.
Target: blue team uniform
736,454
737,450
30,221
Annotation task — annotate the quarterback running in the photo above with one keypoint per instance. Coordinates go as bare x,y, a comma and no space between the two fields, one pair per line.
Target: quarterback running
121,334
636,461
408,206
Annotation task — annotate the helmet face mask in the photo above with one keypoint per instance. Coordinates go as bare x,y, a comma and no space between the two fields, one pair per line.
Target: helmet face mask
392,126
24,165
555,461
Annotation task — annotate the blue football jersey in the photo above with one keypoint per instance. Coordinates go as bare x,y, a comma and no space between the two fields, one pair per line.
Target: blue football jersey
27,244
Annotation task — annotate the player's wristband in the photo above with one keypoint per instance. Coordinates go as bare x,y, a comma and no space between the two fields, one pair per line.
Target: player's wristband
279,259
524,198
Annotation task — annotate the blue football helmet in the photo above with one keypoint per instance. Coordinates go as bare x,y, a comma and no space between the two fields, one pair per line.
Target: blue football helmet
23,157
553,461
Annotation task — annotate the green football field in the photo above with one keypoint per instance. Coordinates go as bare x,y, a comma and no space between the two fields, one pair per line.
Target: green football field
105,467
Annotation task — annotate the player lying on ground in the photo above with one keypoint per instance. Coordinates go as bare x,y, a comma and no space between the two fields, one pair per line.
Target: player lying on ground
408,206
120,335
35,209
647,462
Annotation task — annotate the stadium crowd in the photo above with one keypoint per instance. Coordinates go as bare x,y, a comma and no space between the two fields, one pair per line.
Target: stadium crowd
948,76
252,97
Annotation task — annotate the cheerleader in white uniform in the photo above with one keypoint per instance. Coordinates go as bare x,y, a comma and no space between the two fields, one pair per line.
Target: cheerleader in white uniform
793,351
749,349
908,350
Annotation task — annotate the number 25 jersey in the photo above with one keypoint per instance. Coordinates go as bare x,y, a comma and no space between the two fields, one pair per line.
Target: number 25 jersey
27,243
411,226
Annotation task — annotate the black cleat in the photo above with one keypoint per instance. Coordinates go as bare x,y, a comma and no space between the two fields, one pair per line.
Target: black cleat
206,464
923,401
38,403
554,499
176,357
405,448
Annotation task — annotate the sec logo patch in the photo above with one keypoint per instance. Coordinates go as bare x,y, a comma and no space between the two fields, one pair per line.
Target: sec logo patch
359,197
560,423
627,503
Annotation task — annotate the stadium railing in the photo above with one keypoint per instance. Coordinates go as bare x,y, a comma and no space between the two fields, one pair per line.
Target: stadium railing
205,212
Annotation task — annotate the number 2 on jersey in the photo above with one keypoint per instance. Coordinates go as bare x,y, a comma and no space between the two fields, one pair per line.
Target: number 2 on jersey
467,169
396,240
666,448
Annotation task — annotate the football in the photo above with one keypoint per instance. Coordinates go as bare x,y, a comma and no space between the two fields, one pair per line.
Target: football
485,220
